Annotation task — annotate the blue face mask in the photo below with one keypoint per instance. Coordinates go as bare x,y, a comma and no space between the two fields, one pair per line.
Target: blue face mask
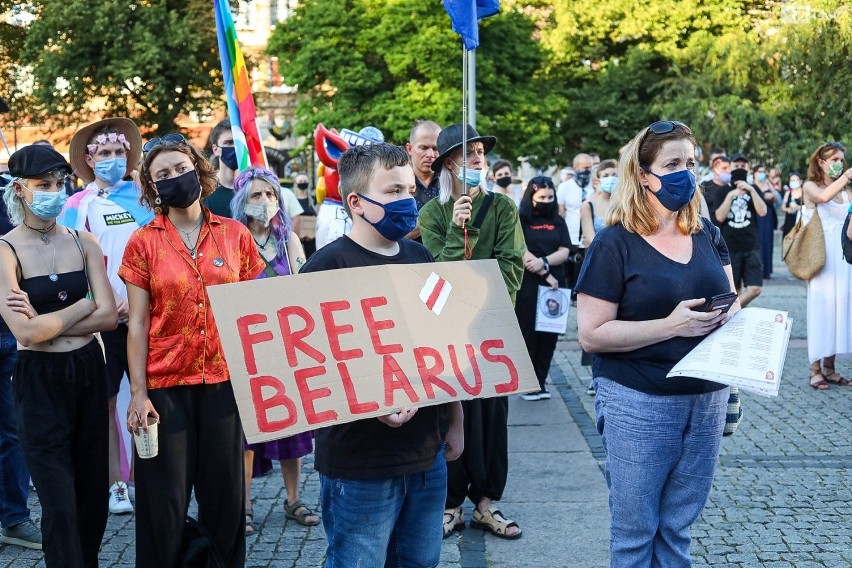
725,177
677,189
229,157
399,220
47,205
111,171
473,178
608,184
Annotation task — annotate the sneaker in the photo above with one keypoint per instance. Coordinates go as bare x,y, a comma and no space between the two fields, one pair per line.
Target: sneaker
544,395
531,396
590,390
24,534
119,500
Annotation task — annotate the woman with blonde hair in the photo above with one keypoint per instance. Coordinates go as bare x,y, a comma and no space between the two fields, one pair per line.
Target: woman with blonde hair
593,210
58,297
639,310
830,291
178,374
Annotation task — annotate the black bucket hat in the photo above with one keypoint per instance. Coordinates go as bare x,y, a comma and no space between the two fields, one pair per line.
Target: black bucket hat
35,160
450,138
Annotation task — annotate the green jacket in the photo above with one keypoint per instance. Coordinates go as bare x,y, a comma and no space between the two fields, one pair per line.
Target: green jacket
500,237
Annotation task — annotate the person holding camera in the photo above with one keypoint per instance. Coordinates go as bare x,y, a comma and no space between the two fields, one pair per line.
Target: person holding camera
735,207
548,245
639,310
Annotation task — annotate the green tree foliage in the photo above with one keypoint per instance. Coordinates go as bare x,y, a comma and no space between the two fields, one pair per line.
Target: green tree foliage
554,77
390,62
148,59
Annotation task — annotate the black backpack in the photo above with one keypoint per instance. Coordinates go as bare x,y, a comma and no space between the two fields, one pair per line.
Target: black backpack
845,243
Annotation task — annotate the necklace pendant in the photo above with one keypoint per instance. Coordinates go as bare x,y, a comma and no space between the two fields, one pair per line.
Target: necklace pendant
53,277
45,239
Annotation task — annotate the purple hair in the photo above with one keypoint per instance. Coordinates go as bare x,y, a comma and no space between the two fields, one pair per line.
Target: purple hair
280,225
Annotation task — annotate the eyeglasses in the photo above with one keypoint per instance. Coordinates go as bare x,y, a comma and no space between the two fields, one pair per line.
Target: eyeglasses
169,140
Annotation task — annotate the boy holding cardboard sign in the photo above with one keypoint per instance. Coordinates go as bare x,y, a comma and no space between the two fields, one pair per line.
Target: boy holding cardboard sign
383,481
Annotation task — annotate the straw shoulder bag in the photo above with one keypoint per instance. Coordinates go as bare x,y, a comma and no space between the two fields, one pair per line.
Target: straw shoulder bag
803,249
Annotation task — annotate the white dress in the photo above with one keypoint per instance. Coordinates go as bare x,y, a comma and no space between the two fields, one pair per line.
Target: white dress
830,291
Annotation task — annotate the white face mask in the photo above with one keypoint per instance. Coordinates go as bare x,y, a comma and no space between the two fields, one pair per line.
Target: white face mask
262,212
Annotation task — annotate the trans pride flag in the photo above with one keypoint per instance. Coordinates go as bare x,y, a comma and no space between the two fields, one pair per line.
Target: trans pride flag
238,95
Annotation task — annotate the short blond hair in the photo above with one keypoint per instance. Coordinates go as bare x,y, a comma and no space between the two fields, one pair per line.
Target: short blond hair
630,205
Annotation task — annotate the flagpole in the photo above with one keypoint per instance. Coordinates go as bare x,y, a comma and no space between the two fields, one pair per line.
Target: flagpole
464,119
471,88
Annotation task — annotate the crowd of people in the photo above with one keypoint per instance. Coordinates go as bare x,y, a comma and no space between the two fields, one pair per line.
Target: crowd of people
110,281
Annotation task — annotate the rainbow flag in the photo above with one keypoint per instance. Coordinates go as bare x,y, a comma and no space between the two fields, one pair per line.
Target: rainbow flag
238,95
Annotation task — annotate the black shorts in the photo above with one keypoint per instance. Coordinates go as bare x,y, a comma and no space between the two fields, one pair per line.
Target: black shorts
747,268
115,352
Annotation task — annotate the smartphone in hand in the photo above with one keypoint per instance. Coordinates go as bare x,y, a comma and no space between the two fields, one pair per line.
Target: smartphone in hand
719,302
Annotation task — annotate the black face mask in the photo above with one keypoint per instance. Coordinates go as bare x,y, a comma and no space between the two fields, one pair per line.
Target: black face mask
303,186
504,181
181,191
544,209
583,178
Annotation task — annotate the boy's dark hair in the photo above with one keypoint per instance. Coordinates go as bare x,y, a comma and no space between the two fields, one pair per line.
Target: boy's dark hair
357,164
500,164
223,126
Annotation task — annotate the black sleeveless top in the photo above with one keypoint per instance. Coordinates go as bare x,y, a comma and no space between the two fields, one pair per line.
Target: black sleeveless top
47,296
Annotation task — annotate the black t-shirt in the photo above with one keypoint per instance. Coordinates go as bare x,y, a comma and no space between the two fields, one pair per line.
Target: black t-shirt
369,449
307,207
623,268
544,237
740,227
219,202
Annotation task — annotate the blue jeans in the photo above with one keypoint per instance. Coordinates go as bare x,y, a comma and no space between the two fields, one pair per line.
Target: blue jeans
14,477
661,453
394,522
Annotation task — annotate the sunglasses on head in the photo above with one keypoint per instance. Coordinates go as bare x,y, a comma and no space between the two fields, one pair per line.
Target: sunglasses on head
542,181
835,146
663,127
167,140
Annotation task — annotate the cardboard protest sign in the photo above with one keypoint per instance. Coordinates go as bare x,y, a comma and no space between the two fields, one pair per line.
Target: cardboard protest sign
318,349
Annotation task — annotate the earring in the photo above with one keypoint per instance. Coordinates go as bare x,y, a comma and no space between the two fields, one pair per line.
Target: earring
157,202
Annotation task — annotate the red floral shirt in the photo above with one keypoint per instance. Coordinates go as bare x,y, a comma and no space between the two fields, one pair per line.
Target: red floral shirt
183,341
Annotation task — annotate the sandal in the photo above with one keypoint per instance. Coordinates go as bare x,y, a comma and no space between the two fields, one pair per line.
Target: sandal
833,377
494,522
249,521
300,512
820,384
455,522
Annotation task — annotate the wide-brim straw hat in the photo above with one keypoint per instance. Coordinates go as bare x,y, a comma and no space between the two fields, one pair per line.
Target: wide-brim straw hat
80,141
450,138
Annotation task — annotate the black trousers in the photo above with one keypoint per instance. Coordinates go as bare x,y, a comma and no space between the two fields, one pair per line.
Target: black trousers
540,344
200,447
61,406
483,467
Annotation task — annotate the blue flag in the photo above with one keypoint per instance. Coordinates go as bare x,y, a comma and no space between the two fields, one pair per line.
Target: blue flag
464,14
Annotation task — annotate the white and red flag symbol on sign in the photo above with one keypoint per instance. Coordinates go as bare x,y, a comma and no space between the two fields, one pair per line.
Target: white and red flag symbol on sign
435,293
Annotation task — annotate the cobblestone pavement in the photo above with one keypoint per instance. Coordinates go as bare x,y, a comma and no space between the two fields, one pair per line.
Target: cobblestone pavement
782,495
